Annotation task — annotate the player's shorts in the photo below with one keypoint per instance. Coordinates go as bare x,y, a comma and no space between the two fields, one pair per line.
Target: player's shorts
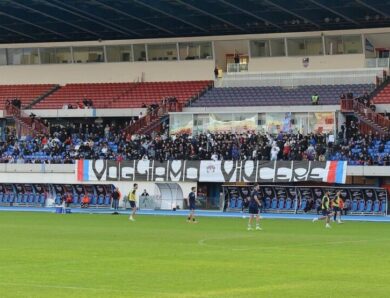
325,212
132,204
192,206
253,210
336,209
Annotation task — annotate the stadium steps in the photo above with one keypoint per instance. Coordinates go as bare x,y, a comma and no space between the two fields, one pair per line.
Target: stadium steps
42,97
369,120
25,123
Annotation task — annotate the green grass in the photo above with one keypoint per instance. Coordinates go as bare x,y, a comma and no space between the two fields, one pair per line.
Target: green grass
51,255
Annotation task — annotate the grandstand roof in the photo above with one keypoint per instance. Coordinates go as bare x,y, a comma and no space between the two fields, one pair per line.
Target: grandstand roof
78,20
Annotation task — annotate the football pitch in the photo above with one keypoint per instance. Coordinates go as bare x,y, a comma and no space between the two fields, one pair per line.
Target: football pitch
89,255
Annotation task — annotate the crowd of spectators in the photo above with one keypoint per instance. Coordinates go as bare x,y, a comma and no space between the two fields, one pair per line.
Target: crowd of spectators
67,143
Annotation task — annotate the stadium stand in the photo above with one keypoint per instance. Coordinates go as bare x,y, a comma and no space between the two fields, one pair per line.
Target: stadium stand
383,96
25,93
121,95
263,96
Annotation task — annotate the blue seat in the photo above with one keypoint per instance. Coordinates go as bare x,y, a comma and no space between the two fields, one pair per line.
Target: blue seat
295,203
354,205
19,198
100,200
107,200
239,203
75,198
274,203
383,206
1,197
303,204
232,203
31,198
362,205
6,198
267,203
93,199
42,198
288,203
25,198
12,197
369,206
57,200
281,203
376,206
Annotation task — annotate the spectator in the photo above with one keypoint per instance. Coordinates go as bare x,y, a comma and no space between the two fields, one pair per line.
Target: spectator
85,201
116,195
315,99
216,71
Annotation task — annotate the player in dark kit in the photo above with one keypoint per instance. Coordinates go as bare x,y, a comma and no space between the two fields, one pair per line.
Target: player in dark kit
191,204
326,212
254,205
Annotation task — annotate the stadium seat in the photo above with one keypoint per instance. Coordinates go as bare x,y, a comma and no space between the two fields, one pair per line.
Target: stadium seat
369,206
267,202
295,204
25,198
376,206
1,197
288,203
232,203
6,198
274,204
107,200
75,199
354,205
303,204
42,199
31,198
19,198
362,205
383,206
12,197
239,203
57,200
281,204
100,200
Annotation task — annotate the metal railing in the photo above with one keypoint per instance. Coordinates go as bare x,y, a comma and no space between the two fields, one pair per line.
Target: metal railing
301,78
237,67
377,62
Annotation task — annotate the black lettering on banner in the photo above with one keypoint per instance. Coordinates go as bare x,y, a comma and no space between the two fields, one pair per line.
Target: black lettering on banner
266,171
192,169
229,170
318,171
99,168
300,171
127,170
159,171
142,170
176,170
248,171
284,171
112,170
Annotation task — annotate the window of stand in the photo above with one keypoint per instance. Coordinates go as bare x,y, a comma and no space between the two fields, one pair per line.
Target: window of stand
260,48
55,55
88,54
119,53
195,50
304,46
24,56
345,44
3,57
139,52
162,52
